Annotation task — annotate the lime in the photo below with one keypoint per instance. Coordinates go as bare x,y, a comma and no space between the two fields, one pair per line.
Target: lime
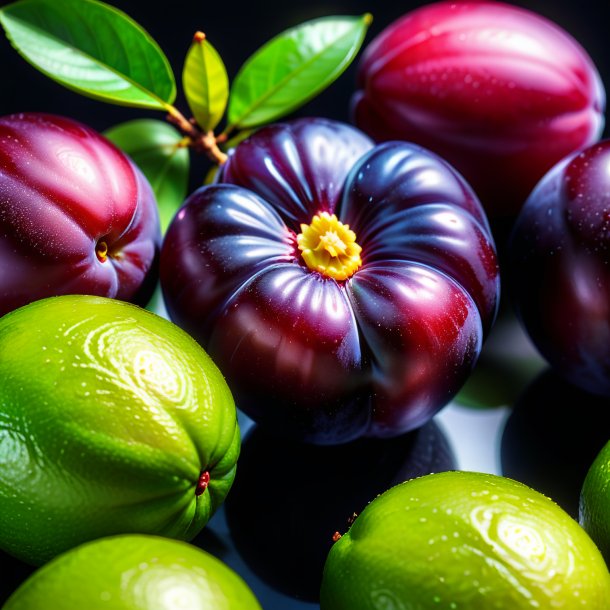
594,508
134,572
112,420
464,541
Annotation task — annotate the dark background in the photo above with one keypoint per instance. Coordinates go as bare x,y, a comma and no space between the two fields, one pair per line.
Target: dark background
237,30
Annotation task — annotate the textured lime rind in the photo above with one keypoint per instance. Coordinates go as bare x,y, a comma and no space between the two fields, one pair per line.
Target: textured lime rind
594,509
134,572
463,540
108,416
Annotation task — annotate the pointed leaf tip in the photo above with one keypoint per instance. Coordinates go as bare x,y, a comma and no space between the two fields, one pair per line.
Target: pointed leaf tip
205,83
121,64
294,67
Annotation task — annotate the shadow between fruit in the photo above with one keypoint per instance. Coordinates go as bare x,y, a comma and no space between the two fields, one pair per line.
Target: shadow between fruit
13,572
508,363
288,500
552,437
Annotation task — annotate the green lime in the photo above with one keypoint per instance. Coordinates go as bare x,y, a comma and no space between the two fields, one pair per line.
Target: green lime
112,420
594,508
464,541
134,572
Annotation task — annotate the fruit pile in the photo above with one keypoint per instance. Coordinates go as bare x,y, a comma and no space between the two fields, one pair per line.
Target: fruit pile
334,283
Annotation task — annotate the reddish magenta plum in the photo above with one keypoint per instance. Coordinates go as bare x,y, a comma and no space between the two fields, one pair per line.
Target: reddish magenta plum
560,267
343,290
500,92
76,215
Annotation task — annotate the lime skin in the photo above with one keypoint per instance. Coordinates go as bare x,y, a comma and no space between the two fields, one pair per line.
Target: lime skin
112,420
464,540
594,506
134,572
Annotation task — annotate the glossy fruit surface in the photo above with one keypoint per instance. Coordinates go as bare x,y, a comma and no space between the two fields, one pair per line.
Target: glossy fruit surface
500,92
112,420
464,540
308,353
76,215
594,508
560,268
134,572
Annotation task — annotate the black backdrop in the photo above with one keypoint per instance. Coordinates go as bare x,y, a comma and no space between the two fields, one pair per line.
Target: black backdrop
238,29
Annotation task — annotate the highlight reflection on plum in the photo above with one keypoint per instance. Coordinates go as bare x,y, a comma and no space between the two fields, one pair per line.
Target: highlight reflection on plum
501,92
559,268
76,215
344,290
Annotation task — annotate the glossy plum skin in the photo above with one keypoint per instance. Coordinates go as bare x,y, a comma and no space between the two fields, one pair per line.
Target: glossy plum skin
560,268
66,195
314,358
500,92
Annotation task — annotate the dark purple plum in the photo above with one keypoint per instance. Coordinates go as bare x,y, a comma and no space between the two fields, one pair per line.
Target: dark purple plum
343,290
76,215
560,268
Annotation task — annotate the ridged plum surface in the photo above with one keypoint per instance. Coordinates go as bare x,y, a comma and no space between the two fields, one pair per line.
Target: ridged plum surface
500,92
560,268
325,360
67,195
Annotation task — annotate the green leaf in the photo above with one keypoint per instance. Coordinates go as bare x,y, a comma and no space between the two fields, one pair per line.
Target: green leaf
210,176
294,67
156,149
238,138
205,83
93,49
498,382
